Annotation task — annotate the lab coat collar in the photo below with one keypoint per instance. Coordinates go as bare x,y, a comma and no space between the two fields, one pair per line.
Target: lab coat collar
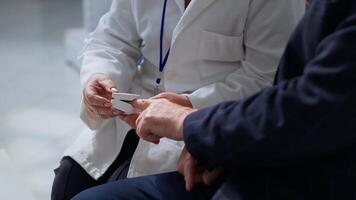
195,8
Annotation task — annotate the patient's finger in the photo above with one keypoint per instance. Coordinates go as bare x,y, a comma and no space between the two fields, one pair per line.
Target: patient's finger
189,174
164,95
144,132
129,119
152,138
209,177
140,104
149,137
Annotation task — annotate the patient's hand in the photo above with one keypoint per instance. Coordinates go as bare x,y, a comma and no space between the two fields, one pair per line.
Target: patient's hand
129,119
97,96
175,98
172,97
193,174
160,118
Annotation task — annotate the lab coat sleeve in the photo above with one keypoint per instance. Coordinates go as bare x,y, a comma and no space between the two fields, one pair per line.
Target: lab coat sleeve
112,49
268,27
302,119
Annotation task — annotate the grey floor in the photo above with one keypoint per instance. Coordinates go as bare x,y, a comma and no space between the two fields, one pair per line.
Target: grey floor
40,94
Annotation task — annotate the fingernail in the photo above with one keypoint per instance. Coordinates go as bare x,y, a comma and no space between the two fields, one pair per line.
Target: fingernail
114,90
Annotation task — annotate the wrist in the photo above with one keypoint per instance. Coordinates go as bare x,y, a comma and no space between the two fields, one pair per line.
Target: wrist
184,113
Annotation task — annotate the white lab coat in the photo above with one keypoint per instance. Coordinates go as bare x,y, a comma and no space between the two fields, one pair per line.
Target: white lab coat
220,50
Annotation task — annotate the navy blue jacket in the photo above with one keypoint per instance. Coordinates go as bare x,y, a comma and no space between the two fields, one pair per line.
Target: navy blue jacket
296,139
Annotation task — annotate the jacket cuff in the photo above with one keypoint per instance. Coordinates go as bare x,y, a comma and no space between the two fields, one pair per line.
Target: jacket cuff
92,121
202,99
194,145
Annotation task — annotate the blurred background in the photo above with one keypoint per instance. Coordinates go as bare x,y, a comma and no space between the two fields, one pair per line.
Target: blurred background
40,41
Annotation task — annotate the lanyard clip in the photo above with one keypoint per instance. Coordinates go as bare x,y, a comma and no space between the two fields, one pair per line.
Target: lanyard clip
158,82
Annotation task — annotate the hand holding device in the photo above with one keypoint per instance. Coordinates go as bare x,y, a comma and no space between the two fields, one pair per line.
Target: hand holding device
97,95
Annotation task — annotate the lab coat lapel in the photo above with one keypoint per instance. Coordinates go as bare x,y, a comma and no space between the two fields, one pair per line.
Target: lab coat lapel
180,4
193,11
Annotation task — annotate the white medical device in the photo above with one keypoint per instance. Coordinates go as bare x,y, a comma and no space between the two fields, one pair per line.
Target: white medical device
121,101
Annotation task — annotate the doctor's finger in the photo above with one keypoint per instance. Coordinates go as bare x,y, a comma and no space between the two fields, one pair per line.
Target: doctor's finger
96,100
108,85
105,112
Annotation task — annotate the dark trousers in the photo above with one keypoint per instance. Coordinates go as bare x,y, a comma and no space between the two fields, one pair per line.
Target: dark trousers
168,186
71,179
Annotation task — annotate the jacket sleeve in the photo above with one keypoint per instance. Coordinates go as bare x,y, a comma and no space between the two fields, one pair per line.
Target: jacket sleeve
296,121
267,29
112,49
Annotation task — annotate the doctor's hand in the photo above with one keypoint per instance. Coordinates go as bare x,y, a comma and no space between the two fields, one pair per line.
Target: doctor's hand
160,118
175,98
194,174
97,95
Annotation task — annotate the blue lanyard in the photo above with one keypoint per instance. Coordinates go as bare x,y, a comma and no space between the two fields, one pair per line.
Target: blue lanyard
162,61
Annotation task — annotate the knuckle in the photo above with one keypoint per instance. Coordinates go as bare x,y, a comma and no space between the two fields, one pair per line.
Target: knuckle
150,115
103,82
86,92
85,101
90,96
144,121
